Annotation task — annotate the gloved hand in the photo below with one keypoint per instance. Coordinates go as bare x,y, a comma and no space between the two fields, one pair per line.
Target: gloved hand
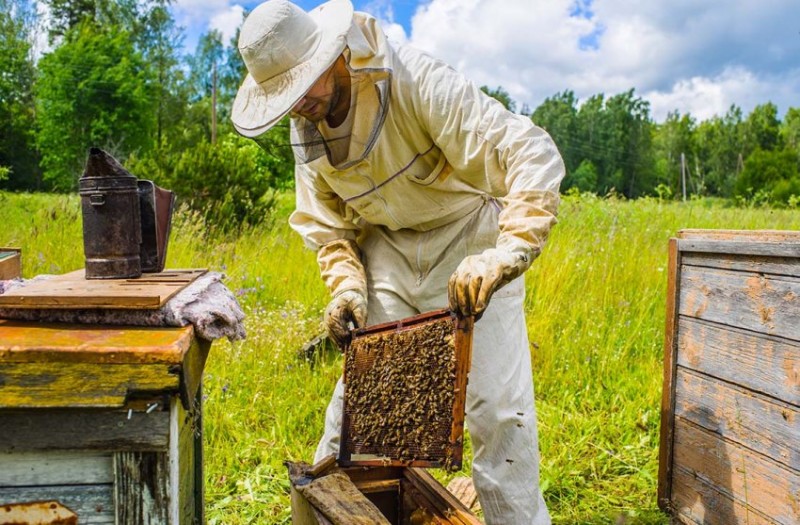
479,276
348,307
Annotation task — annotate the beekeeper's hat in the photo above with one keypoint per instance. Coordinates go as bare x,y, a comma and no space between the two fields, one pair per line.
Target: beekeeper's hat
285,50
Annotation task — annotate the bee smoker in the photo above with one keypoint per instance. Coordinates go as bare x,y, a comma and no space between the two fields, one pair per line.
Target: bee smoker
126,221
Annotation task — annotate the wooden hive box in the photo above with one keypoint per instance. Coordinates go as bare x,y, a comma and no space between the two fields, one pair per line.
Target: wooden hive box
400,495
730,419
103,420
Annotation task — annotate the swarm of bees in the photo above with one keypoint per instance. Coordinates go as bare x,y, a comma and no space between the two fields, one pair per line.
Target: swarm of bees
399,392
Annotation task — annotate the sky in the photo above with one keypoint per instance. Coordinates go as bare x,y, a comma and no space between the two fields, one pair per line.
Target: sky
690,56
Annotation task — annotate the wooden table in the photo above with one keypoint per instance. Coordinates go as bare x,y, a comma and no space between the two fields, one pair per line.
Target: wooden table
104,420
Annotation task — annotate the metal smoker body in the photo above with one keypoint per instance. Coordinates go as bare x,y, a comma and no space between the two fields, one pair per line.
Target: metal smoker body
112,231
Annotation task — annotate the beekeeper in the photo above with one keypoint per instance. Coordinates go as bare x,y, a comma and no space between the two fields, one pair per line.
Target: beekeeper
417,191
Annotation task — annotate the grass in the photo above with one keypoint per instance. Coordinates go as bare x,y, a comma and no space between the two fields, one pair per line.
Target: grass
595,309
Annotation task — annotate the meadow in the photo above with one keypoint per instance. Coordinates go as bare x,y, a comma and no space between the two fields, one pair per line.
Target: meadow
595,307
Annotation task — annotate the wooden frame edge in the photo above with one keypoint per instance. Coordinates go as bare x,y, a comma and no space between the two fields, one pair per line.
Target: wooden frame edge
667,430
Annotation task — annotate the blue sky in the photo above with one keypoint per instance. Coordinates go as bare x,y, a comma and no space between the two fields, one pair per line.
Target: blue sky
679,55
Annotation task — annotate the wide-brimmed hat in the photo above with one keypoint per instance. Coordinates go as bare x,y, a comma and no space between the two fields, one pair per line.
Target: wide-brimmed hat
285,50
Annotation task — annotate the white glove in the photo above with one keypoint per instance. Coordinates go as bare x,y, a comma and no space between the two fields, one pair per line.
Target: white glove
348,307
479,276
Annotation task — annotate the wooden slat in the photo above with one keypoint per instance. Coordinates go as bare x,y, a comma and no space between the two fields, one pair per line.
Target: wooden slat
441,499
19,469
73,290
94,504
760,363
765,304
744,236
50,385
668,392
697,503
77,429
750,479
141,488
766,249
744,263
24,342
759,423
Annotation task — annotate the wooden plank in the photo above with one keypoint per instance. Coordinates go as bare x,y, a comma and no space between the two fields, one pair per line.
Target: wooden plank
20,469
10,263
697,503
759,423
25,342
187,490
141,488
761,303
668,392
73,290
193,364
750,479
50,385
764,249
765,364
744,263
76,429
440,497
94,504
745,236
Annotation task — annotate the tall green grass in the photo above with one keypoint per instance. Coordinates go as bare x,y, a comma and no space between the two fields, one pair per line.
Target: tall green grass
595,309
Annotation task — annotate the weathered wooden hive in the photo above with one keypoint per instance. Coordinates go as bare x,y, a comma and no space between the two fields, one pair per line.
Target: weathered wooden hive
730,425
102,423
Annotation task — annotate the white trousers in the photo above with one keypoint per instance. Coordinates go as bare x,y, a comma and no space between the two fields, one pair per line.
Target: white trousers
407,274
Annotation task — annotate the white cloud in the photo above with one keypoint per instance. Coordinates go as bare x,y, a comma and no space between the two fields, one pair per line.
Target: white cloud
227,22
697,57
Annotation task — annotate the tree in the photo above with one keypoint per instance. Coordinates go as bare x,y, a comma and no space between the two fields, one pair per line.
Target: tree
17,153
93,90
772,171
762,129
502,96
558,115
719,143
790,130
674,147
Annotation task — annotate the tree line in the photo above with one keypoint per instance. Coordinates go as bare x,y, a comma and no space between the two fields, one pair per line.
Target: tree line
112,74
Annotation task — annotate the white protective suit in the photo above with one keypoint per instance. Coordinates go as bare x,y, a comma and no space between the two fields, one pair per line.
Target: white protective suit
436,171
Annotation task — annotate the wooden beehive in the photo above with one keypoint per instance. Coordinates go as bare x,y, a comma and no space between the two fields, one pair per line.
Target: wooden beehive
404,496
405,392
103,420
730,420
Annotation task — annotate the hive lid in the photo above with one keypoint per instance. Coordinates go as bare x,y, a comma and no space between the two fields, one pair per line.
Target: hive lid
72,291
405,392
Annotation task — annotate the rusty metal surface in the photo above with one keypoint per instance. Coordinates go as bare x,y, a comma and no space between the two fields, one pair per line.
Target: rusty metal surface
35,342
111,218
37,513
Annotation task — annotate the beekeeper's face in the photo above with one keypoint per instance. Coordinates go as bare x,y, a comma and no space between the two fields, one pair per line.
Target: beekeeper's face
319,101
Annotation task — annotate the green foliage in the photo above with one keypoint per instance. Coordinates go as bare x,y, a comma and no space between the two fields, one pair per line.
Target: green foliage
558,116
762,128
93,90
584,179
16,96
501,95
229,184
775,172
